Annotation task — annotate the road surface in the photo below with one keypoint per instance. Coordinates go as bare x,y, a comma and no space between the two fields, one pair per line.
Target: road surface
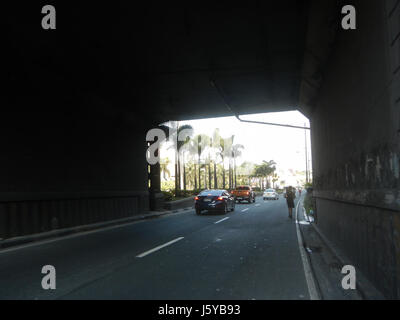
251,253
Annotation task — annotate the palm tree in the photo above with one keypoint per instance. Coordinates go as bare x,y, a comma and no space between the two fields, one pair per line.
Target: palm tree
224,152
164,167
161,166
181,136
191,175
258,173
275,178
270,169
264,170
193,153
184,134
229,154
221,153
198,144
216,147
236,152
208,167
246,170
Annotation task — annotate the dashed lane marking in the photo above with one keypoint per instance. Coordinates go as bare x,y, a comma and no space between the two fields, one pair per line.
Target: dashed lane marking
159,247
221,220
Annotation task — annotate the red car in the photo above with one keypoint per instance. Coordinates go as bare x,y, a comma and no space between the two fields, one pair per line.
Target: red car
244,193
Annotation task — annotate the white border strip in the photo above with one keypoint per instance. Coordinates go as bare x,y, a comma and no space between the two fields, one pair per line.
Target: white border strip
159,247
312,288
244,210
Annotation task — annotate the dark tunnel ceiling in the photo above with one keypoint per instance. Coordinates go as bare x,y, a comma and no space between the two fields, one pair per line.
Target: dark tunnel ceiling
159,61
264,58
253,54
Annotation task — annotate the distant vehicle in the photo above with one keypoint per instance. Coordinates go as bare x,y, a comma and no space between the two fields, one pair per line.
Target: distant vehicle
214,200
270,194
244,193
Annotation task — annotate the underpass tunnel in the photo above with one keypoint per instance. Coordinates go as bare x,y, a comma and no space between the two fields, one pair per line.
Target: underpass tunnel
217,153
79,101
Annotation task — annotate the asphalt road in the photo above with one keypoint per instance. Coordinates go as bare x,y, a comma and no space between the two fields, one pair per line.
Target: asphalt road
251,253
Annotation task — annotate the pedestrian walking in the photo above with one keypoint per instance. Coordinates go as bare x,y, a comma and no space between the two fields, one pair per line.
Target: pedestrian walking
290,196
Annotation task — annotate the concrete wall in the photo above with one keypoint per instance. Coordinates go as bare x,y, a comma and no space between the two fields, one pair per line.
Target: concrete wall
63,169
355,138
73,120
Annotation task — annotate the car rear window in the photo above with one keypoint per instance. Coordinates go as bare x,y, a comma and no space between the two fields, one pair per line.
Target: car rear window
242,188
211,192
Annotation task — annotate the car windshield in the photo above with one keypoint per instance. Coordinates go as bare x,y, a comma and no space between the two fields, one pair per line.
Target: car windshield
211,193
270,190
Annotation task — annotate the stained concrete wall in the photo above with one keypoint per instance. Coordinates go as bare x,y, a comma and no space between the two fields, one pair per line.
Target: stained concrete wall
355,138
73,121
63,169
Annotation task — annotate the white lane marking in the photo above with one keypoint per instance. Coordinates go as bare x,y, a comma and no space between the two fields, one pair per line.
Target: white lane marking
159,247
257,204
312,288
221,220
245,209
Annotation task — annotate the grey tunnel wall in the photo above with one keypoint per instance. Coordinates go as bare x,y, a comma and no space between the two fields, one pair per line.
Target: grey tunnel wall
73,120
355,136
63,169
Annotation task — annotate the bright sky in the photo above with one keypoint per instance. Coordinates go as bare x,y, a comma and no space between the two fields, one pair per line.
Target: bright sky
286,146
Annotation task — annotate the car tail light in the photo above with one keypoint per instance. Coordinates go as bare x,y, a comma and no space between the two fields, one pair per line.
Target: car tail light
220,198
196,198
247,192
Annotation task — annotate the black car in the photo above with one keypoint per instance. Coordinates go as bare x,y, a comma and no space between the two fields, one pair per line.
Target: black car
214,200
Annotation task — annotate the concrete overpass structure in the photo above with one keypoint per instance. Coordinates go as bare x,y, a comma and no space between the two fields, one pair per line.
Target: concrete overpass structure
78,101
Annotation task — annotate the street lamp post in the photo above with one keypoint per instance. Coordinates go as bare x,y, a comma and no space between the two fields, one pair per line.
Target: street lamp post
306,153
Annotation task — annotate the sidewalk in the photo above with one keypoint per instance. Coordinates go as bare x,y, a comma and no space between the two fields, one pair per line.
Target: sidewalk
327,265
